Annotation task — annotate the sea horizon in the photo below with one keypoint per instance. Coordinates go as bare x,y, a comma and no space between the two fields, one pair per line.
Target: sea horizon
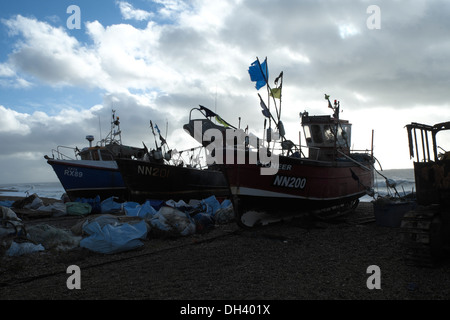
53,189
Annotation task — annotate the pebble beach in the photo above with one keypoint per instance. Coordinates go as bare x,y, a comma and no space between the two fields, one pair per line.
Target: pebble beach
291,260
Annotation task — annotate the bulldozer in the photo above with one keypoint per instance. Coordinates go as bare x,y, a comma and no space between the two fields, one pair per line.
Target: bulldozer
426,229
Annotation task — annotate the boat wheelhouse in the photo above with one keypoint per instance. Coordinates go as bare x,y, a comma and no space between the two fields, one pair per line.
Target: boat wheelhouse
93,171
326,136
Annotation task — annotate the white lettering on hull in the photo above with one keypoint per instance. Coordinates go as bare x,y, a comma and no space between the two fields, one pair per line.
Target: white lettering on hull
154,172
73,172
290,182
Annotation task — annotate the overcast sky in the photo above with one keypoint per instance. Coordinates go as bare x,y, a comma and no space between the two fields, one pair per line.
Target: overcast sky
157,59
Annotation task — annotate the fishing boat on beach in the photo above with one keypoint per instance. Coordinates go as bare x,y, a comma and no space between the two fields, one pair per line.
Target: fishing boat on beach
93,171
163,181
181,175
278,177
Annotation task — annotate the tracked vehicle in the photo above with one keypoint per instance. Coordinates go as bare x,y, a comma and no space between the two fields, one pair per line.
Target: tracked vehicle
426,229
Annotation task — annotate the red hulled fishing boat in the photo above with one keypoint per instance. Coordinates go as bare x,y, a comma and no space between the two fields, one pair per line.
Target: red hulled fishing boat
329,177
288,179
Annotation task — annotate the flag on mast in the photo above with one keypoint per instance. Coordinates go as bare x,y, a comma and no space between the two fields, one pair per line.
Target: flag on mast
259,73
276,93
327,97
265,110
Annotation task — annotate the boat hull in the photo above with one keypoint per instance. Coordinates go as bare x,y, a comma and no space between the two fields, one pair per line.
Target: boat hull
145,181
89,179
300,185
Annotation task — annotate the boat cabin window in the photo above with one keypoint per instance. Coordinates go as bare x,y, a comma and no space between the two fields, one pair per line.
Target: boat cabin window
344,134
316,132
106,156
95,155
324,134
328,134
85,156
307,134
314,135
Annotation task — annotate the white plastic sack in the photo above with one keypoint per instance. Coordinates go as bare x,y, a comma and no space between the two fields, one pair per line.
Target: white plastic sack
173,220
224,215
18,249
36,203
110,206
212,205
134,209
176,204
131,208
53,238
57,208
105,219
113,238
9,214
226,203
10,223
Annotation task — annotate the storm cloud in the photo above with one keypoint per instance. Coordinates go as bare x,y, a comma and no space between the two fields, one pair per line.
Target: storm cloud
182,54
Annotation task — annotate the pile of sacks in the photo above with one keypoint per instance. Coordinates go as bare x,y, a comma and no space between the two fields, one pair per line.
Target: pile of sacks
110,234
120,227
16,240
34,203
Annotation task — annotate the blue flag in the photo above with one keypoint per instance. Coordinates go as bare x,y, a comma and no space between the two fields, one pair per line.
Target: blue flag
259,73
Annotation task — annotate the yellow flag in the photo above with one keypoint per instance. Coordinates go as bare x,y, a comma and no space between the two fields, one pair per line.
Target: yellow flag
276,93
221,121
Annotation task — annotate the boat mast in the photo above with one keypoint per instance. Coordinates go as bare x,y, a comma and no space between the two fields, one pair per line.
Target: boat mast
114,131
275,94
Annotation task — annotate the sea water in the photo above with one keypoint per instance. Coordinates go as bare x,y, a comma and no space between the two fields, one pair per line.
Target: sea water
52,190
404,183
404,179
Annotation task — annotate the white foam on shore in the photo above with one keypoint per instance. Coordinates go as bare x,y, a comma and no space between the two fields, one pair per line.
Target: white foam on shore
52,190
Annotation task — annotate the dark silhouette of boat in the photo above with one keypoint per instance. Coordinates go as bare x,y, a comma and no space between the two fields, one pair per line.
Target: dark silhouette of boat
179,176
278,177
93,171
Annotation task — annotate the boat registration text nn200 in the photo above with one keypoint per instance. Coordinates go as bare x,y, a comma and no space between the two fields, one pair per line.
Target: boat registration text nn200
290,182
153,171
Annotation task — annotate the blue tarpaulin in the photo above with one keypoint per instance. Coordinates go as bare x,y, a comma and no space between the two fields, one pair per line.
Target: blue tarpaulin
113,238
